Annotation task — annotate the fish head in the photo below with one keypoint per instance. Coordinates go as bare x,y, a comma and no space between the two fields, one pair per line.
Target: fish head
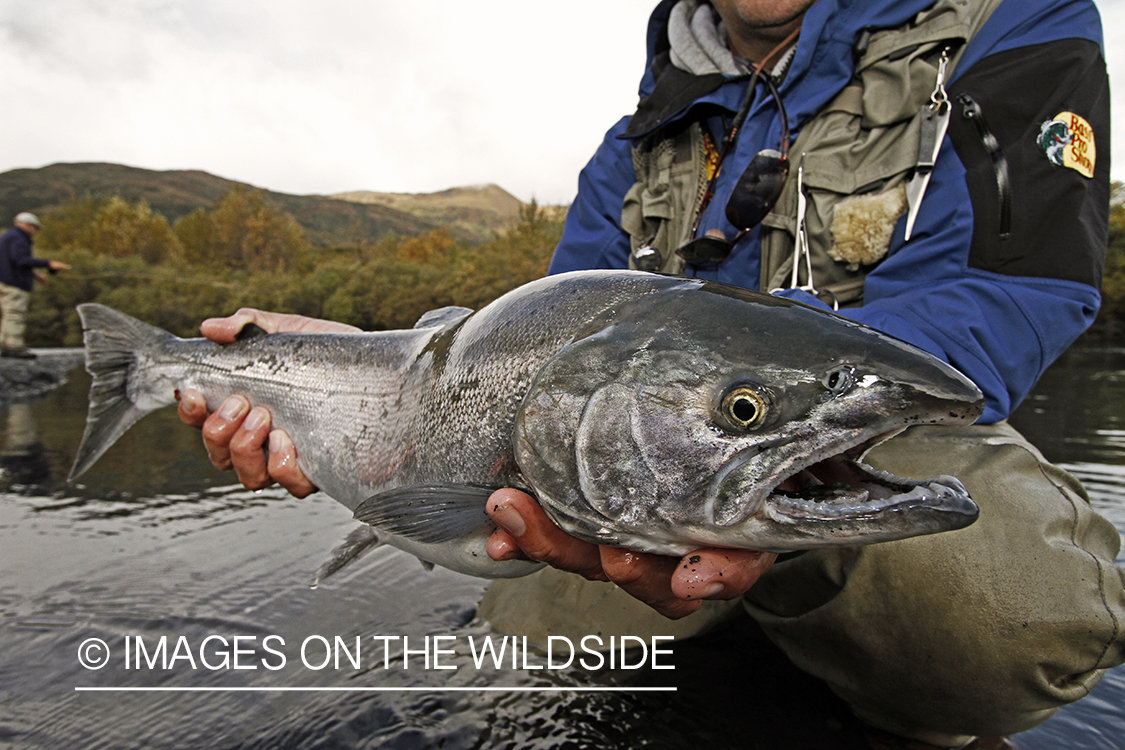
707,415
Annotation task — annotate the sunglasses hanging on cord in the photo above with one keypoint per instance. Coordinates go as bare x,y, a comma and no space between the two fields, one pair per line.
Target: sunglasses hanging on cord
758,188
754,195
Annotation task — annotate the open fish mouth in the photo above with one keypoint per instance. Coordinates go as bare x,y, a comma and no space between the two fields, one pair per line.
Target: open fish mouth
843,487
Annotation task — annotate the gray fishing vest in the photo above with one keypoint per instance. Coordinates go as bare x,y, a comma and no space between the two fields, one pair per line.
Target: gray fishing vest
856,156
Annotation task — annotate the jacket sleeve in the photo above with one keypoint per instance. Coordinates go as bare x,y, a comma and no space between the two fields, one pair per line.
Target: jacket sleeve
1003,270
17,248
592,236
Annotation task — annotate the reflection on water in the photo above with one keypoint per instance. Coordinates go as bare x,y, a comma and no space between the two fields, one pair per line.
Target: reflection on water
1076,416
155,543
22,460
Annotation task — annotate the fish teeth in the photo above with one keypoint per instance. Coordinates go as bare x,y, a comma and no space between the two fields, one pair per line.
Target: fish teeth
921,492
844,449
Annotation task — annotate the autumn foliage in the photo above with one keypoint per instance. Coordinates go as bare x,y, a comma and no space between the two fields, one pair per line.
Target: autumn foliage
245,251
1110,325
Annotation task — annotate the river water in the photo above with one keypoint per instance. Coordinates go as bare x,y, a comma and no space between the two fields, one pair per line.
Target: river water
156,546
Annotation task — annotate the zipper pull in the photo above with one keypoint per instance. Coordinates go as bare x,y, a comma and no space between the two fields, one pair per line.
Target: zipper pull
972,112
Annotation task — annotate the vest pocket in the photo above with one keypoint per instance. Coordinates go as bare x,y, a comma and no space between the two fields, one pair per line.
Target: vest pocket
853,179
658,209
856,156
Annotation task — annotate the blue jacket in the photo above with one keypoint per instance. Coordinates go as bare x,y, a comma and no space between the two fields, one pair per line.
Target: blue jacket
16,260
999,311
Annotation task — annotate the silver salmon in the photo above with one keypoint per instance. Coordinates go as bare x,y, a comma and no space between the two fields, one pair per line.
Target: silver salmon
659,413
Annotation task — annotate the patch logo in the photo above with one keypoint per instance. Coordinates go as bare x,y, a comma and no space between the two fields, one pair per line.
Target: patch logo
1068,141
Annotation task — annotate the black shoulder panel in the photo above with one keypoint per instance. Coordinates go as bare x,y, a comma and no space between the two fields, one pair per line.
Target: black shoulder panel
675,90
1035,211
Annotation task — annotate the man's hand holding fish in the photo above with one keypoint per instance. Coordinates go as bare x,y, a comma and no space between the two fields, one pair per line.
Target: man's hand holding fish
262,456
672,586
234,434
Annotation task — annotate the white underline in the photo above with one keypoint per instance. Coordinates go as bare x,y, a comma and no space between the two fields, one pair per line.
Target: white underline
372,689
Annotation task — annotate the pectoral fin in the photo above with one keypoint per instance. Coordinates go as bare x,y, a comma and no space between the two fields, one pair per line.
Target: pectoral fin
428,513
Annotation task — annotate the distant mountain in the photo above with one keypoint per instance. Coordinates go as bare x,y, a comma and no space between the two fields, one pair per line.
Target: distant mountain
326,220
479,209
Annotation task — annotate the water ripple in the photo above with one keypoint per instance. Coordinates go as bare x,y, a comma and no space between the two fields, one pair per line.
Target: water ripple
155,542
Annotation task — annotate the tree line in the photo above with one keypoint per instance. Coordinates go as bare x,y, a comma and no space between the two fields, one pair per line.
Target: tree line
1110,325
244,251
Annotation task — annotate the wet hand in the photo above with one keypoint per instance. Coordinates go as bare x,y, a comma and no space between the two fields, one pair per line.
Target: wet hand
673,587
240,437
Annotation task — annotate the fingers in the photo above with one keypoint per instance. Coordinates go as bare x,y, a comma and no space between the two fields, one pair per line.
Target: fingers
247,443
220,427
192,407
239,437
719,573
225,330
648,578
282,465
526,532
676,588
673,587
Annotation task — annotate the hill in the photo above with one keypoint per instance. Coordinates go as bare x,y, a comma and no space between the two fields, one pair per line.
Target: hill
327,221
480,210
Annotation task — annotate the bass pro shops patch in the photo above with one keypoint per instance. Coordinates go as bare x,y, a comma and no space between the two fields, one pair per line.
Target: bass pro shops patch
1068,141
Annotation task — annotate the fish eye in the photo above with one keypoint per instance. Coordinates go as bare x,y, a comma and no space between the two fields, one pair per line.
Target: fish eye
744,407
840,380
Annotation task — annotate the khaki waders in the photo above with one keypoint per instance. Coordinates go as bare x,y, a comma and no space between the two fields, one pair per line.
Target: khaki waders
983,631
13,316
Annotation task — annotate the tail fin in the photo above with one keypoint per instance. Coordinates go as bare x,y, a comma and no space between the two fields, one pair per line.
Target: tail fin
111,339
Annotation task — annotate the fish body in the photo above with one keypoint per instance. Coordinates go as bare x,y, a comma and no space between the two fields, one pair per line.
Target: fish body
660,413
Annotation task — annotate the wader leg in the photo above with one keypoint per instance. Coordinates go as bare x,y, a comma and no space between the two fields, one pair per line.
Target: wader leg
550,602
983,631
13,316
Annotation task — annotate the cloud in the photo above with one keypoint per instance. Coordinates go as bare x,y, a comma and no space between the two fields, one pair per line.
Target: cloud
1113,26
337,96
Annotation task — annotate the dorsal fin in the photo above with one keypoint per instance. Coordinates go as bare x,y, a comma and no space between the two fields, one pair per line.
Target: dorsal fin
443,317
250,331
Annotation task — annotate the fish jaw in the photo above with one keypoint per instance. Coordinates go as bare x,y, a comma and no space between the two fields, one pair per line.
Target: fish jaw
829,501
884,508
839,500
810,488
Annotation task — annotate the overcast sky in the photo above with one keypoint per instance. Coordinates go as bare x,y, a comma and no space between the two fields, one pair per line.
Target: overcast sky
337,95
